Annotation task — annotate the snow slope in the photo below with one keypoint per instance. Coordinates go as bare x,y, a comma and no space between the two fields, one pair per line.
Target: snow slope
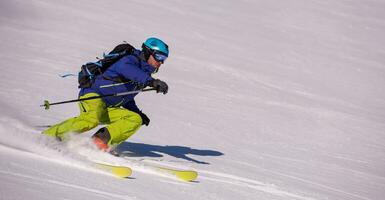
268,99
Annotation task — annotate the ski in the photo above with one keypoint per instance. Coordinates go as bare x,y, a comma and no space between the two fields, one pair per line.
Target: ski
116,170
125,172
124,166
184,175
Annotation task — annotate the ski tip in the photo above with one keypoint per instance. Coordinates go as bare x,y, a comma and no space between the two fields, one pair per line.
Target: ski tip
122,172
183,175
118,171
187,175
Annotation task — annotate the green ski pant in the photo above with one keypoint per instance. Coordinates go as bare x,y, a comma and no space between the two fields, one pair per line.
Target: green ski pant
122,123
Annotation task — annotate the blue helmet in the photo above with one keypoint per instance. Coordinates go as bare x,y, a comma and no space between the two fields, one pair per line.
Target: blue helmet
155,45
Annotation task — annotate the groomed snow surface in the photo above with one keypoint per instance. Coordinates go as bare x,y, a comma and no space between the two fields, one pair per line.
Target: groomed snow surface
268,100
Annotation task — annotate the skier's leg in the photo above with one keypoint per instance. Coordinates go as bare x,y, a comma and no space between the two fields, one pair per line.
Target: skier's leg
122,123
91,112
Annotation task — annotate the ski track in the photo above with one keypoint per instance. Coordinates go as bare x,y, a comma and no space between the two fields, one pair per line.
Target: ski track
321,186
307,182
80,146
39,180
245,182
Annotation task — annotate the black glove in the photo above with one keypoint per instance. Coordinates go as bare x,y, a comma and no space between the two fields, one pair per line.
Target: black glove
145,119
159,85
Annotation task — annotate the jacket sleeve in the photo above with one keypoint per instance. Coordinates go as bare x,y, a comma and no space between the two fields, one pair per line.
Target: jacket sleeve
131,105
130,70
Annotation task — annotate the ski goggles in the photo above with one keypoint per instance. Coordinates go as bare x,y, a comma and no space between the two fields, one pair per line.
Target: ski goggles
159,57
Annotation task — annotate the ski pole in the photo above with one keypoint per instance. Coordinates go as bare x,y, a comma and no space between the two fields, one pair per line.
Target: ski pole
47,104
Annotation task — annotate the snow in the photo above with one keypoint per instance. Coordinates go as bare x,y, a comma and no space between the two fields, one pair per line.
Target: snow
268,100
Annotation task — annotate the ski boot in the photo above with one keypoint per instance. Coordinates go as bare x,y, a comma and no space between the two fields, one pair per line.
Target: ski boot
101,138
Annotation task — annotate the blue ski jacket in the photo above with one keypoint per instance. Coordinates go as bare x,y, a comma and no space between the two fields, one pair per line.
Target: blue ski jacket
134,74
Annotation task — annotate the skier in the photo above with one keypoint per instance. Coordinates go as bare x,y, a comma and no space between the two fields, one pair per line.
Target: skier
121,114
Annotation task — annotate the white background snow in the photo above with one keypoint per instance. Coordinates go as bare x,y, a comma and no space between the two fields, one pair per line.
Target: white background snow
269,100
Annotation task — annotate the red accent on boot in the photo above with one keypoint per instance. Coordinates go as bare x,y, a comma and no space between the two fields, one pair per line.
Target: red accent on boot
100,144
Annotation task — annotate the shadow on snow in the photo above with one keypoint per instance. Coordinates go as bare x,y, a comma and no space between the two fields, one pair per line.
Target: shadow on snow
133,149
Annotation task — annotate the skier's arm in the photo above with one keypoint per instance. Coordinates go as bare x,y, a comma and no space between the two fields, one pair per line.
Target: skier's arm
130,71
131,105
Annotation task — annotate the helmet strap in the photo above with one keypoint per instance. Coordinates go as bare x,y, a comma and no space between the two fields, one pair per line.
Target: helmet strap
146,52
155,71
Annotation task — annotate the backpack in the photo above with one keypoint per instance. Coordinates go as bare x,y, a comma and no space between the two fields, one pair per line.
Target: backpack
90,70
